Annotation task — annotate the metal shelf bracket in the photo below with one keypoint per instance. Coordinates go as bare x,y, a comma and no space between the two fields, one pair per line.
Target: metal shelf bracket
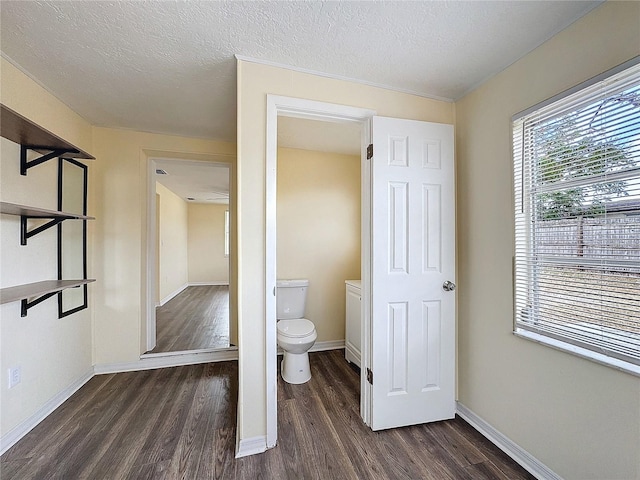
25,234
26,165
26,305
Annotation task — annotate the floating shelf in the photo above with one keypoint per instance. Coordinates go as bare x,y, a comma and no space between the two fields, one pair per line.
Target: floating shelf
21,130
25,213
35,212
41,290
30,136
28,290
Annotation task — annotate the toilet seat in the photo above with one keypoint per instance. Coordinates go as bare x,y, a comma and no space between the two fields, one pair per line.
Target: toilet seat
295,328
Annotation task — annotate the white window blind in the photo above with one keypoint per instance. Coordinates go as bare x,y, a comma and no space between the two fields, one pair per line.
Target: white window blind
577,218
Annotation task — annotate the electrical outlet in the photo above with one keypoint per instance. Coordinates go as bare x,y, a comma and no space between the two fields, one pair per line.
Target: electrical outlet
15,375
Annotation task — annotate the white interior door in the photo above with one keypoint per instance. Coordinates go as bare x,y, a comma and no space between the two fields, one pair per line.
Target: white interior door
413,255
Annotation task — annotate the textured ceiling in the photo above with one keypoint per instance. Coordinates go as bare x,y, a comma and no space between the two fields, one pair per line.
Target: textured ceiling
169,67
194,182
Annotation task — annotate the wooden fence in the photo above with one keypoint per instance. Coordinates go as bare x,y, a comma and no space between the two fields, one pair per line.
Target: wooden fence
614,238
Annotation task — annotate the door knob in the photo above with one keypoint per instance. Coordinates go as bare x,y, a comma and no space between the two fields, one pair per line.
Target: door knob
448,286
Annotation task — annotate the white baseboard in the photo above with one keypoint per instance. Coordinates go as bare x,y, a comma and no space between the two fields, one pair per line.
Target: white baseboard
322,346
150,361
207,284
14,435
527,461
171,295
251,446
329,345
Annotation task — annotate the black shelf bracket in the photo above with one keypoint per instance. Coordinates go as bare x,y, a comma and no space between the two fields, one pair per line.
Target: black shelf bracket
26,165
25,234
26,305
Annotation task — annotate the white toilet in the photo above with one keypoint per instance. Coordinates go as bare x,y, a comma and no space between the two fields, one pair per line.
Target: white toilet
296,335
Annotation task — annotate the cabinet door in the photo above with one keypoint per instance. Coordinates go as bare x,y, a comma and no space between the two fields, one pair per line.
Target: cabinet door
353,321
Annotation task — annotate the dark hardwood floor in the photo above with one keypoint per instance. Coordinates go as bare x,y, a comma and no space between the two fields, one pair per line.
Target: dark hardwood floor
197,318
180,423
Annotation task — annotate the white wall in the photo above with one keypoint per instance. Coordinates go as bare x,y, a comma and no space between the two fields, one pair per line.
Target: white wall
173,243
207,261
579,418
318,231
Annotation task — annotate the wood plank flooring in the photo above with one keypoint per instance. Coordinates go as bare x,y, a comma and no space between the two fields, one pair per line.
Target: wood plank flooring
179,423
197,318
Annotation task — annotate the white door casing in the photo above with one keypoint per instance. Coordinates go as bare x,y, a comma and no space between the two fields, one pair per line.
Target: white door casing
151,265
314,110
413,254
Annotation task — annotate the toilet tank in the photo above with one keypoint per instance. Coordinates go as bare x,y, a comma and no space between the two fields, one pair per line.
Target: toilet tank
291,297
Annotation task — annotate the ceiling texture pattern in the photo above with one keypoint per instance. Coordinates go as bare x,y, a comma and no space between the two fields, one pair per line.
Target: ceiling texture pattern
197,182
169,66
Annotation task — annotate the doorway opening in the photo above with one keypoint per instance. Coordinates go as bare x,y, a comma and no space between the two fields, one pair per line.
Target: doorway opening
277,108
189,258
408,265
318,229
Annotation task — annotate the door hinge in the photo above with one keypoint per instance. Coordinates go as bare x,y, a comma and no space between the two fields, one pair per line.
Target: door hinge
369,376
370,151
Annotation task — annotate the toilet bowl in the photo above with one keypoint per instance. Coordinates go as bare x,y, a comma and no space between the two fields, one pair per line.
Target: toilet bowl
296,337
295,334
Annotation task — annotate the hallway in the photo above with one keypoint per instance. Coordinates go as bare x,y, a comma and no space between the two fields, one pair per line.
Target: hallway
197,318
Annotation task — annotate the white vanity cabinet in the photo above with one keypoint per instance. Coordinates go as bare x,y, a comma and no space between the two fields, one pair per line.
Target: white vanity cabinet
353,321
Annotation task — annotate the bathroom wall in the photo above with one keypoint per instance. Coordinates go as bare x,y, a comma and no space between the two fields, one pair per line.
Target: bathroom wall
207,261
318,230
172,231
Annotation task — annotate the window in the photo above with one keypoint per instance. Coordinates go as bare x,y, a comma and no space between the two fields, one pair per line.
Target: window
226,233
577,220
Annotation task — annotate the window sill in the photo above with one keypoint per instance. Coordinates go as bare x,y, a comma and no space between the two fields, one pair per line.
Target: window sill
580,352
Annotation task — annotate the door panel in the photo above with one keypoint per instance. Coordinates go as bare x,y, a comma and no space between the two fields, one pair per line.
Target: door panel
398,228
413,254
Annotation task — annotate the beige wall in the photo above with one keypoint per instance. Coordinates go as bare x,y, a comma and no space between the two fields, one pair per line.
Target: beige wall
173,232
119,201
53,353
318,231
254,83
207,261
579,418
26,97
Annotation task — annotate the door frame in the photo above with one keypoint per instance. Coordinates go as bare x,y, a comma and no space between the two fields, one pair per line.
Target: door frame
150,268
328,112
